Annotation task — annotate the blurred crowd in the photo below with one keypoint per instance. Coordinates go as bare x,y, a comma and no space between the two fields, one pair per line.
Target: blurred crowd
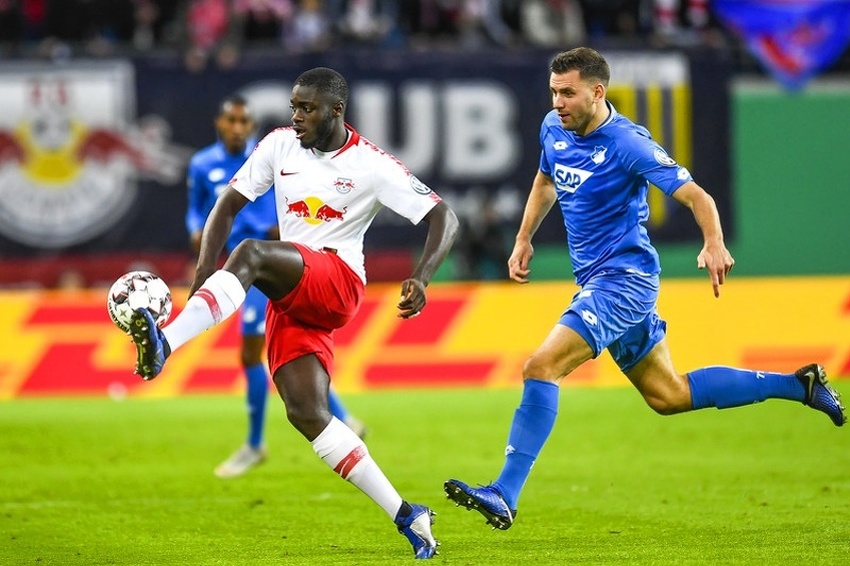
219,31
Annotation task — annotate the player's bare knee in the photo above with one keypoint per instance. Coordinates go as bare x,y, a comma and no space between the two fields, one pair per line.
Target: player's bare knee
660,405
250,358
307,420
248,252
536,367
668,402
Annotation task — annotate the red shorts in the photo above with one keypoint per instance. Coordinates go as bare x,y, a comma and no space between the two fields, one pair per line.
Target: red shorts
326,298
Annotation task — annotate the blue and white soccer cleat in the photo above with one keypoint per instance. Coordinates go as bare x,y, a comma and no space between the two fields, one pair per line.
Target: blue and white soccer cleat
417,528
819,393
151,346
485,499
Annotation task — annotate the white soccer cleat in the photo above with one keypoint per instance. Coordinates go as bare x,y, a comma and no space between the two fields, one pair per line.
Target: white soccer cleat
241,461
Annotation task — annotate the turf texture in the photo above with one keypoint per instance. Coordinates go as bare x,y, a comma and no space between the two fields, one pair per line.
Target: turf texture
98,481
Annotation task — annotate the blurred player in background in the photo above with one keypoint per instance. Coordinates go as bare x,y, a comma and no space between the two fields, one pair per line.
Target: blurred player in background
329,184
595,164
209,171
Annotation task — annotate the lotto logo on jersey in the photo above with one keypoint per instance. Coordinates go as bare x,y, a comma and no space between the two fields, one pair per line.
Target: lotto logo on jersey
569,179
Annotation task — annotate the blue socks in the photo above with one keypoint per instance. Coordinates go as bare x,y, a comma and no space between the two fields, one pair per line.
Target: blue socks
715,386
337,408
725,387
258,389
533,421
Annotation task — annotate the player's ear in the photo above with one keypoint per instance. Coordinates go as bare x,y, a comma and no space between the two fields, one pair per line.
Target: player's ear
598,92
338,108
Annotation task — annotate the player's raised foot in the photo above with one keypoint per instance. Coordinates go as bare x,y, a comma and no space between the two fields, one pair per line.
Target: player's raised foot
416,526
241,461
485,499
151,347
819,393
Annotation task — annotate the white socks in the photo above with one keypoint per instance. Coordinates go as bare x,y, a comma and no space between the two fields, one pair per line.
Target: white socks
220,296
348,456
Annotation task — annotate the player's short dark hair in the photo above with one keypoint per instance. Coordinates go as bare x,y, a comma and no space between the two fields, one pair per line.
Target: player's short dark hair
232,100
326,81
588,62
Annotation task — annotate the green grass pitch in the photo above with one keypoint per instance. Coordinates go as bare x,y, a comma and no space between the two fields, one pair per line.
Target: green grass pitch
96,481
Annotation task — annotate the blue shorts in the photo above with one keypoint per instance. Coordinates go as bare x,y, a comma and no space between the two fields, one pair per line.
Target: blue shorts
616,310
253,313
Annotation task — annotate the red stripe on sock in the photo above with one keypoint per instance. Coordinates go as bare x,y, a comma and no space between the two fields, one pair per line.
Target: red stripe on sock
207,296
347,464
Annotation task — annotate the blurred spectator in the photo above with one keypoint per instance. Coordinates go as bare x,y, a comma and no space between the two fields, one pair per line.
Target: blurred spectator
433,22
21,22
310,29
208,30
11,22
610,18
668,15
367,22
552,23
685,22
263,21
218,30
154,23
480,24
99,27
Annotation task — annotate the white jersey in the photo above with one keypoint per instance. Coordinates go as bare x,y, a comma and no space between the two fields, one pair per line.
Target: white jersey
328,200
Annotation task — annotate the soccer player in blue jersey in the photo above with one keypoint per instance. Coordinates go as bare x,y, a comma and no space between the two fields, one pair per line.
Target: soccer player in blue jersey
596,164
210,169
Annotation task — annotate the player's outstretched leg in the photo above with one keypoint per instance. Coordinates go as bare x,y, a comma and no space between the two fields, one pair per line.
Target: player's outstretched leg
416,526
151,346
819,393
485,499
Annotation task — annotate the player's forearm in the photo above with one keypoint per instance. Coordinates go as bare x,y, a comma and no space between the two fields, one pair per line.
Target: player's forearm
442,230
218,226
540,201
707,218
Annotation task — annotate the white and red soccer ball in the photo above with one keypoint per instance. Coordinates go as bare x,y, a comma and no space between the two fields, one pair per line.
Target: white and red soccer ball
134,290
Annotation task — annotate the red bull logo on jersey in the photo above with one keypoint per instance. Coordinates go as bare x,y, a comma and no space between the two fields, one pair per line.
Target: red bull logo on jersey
69,154
314,211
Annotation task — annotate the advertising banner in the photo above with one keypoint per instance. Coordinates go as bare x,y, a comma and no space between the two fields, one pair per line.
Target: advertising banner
93,154
470,335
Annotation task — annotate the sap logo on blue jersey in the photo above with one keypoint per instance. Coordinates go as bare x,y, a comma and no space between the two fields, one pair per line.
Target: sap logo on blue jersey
560,144
569,178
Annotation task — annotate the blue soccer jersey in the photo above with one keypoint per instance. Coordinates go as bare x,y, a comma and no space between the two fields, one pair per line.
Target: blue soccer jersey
210,169
601,181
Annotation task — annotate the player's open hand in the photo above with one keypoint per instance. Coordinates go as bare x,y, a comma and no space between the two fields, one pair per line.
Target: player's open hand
717,260
412,298
519,260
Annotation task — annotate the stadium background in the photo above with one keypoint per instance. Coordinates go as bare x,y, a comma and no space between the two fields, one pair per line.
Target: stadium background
72,220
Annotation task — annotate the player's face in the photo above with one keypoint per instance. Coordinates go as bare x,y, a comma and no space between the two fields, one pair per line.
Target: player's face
577,101
234,126
314,119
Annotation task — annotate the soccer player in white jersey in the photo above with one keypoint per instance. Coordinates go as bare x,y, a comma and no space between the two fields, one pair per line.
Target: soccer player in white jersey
209,171
329,183
596,164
